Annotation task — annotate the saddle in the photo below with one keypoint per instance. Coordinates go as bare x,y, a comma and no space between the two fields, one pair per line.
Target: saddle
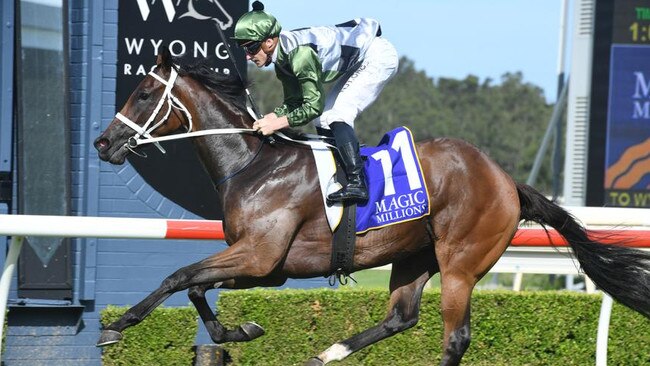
396,187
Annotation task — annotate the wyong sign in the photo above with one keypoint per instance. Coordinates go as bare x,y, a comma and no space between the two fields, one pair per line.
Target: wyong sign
177,48
186,27
189,29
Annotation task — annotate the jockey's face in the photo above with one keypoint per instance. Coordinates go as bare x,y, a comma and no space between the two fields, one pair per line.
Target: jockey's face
259,52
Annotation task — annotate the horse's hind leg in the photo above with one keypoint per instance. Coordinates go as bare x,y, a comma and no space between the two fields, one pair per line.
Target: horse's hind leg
218,333
462,264
407,280
455,306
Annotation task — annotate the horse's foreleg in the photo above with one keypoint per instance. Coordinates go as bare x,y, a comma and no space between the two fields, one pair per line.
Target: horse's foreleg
235,262
407,280
218,333
113,332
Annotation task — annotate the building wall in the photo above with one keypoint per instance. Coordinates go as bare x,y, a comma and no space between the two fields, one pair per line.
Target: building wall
117,272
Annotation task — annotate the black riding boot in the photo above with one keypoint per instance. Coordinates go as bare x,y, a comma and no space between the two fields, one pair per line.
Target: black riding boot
348,145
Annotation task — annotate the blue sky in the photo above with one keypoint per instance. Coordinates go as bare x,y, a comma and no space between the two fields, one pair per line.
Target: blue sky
454,38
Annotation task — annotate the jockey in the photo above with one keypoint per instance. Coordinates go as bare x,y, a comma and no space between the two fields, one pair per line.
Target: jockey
352,54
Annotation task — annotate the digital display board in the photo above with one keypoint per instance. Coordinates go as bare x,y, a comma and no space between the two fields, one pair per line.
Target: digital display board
619,130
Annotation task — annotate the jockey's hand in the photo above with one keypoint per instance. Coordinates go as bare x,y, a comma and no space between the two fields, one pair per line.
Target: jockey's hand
270,123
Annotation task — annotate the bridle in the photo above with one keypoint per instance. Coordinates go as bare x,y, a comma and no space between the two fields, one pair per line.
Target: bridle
145,130
143,133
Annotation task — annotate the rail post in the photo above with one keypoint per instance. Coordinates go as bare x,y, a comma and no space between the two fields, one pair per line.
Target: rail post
5,281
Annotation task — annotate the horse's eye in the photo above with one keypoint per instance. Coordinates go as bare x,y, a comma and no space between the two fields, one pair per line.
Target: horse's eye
143,96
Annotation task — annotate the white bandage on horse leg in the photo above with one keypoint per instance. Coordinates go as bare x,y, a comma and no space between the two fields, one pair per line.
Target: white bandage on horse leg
336,352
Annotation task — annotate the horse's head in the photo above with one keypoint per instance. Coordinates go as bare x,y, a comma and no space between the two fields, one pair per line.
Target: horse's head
151,110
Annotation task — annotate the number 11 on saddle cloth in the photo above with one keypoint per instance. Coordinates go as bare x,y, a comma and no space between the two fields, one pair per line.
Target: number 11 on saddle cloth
396,188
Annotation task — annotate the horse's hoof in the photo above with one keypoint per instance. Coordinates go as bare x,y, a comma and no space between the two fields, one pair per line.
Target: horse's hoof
252,330
108,337
314,361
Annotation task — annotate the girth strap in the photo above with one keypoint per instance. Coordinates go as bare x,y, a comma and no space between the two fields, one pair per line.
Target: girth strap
343,243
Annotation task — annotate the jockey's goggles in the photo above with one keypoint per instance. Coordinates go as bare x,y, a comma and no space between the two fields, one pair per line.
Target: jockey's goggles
251,47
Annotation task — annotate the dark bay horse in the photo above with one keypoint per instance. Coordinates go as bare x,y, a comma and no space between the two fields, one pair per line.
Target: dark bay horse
276,227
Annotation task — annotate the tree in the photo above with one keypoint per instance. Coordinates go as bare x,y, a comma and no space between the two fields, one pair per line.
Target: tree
266,89
506,120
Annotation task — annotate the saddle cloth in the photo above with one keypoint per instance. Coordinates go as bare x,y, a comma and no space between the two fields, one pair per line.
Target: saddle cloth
396,186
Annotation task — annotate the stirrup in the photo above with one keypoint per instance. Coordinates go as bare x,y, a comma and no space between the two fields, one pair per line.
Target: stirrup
345,196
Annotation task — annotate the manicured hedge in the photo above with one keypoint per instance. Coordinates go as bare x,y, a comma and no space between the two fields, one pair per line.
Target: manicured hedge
538,328
165,337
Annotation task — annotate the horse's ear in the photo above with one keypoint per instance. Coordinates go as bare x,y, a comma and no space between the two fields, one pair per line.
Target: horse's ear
164,58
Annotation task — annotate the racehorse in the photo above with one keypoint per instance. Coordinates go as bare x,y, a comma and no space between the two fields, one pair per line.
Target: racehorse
276,228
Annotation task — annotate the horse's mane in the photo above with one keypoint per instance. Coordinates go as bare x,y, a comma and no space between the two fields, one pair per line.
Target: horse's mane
230,87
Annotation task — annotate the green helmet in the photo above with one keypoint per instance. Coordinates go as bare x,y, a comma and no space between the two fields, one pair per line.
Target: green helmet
256,25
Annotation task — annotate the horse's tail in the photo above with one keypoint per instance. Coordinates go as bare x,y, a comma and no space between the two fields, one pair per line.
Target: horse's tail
622,272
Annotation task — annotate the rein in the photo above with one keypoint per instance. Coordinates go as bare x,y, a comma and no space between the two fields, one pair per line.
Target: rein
143,133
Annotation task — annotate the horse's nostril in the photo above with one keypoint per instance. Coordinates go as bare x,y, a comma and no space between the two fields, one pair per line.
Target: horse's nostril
101,144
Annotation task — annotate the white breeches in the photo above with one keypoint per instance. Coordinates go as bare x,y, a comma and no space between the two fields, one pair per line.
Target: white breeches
354,92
